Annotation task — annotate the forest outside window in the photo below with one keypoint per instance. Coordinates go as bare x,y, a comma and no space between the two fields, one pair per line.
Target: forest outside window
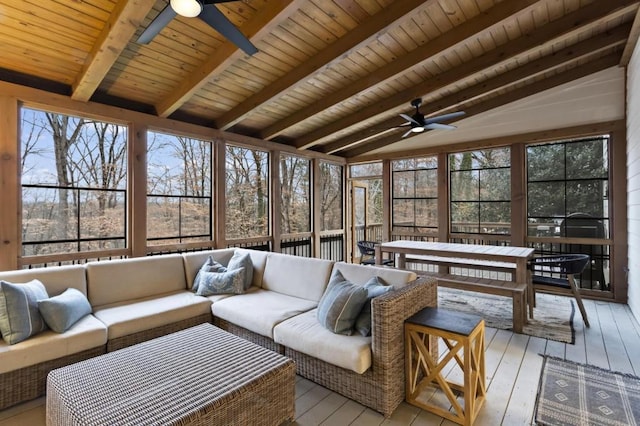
415,196
74,180
179,207
480,185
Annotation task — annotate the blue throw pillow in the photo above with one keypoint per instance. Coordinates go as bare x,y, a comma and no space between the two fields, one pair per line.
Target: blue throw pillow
19,314
62,311
375,287
209,266
228,282
340,305
242,260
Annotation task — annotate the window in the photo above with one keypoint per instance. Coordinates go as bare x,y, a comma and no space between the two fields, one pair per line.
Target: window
74,180
568,197
295,200
567,180
480,185
330,182
247,193
178,189
366,169
414,195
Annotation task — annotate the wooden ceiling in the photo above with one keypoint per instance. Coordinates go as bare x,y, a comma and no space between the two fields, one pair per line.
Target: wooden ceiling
330,75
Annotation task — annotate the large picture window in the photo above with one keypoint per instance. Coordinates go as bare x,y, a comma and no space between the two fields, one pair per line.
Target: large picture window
247,193
178,189
480,185
415,195
74,180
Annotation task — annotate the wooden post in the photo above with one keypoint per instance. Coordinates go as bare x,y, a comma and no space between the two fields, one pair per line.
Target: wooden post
137,148
618,199
518,196
220,185
10,214
386,200
316,202
443,197
276,227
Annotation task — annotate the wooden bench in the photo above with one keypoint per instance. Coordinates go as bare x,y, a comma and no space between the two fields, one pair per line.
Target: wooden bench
516,291
485,265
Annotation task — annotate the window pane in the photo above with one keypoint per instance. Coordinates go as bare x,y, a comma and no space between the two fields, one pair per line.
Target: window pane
546,199
545,162
404,184
495,185
495,218
368,169
426,183
331,196
427,213
464,185
587,159
295,205
587,196
403,213
247,193
464,217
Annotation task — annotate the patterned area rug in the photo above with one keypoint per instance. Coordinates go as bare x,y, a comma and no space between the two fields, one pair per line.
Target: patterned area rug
577,394
553,315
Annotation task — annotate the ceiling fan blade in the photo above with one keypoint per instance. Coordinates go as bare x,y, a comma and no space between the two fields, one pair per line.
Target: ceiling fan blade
444,117
408,133
439,126
216,20
157,25
409,119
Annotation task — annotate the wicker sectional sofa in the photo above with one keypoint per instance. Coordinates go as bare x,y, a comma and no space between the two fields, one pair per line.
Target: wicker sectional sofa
134,300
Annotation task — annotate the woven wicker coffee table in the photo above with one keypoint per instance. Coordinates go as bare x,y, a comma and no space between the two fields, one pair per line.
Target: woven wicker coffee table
201,375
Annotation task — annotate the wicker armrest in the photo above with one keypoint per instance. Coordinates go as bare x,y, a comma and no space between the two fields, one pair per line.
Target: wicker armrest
388,313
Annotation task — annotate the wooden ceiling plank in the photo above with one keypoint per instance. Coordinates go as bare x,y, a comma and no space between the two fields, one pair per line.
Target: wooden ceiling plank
556,30
117,32
634,34
399,66
570,53
360,36
521,93
256,28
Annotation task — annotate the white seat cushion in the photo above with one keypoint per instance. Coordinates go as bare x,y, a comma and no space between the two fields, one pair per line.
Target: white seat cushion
303,333
87,333
130,317
260,310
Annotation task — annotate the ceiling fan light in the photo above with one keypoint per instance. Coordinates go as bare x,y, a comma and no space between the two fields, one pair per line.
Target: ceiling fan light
187,8
417,129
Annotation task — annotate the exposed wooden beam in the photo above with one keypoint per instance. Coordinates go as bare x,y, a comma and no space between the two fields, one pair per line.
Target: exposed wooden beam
500,100
402,64
553,32
124,21
634,34
262,23
359,36
531,137
587,47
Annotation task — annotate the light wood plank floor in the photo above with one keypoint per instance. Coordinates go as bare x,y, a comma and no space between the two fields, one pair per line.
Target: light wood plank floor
513,365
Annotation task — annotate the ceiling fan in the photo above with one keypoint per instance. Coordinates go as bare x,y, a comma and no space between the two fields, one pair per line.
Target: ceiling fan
205,10
419,124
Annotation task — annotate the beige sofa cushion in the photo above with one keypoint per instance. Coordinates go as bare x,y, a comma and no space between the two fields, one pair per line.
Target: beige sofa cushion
193,262
260,310
303,333
360,274
114,281
302,277
88,333
132,316
55,280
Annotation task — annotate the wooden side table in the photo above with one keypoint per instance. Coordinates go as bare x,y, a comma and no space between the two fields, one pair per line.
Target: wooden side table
463,335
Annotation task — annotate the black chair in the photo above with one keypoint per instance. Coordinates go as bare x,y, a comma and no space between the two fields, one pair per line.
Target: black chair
558,276
368,254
